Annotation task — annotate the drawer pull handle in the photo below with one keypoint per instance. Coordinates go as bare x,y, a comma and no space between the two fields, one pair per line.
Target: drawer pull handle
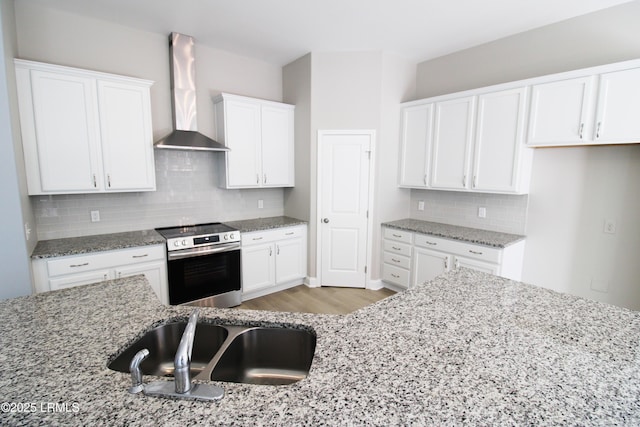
257,238
289,233
79,265
395,275
395,260
475,252
397,235
431,243
139,256
395,248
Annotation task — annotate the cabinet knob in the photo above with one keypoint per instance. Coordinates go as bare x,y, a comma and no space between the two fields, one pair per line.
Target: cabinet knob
326,220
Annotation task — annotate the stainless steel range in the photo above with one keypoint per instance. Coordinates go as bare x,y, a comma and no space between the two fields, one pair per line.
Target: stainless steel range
203,264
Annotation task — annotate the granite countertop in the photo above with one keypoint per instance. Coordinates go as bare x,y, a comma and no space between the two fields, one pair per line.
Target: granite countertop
258,224
96,243
455,232
467,348
108,242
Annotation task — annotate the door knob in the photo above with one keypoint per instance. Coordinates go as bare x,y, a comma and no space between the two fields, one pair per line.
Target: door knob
326,220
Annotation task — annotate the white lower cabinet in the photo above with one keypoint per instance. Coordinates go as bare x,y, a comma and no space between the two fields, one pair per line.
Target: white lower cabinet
51,274
273,260
413,258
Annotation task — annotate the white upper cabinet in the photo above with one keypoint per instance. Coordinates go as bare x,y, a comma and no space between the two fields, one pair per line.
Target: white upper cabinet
618,116
600,105
501,163
127,153
472,143
260,137
452,140
415,148
84,131
561,112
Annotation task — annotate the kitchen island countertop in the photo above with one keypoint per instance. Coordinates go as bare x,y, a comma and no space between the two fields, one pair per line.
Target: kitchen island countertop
467,348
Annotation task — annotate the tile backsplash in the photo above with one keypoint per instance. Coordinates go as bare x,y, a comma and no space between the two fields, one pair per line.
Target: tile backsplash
187,193
504,213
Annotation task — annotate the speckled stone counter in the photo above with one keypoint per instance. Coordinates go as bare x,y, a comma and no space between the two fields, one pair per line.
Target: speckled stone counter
101,242
454,232
257,224
467,348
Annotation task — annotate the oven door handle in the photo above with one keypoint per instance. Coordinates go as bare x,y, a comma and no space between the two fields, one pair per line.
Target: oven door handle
188,253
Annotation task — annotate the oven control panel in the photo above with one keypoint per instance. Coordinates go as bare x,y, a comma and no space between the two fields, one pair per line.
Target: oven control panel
206,240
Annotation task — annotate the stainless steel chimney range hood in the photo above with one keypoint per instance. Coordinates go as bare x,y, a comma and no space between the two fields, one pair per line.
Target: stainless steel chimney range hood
183,90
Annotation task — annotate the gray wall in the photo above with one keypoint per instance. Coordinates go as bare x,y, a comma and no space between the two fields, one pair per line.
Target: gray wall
573,190
16,212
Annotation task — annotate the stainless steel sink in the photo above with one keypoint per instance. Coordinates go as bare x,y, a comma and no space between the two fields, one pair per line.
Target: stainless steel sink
162,343
241,354
274,356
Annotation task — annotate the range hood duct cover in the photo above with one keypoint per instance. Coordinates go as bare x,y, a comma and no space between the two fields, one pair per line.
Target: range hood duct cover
183,91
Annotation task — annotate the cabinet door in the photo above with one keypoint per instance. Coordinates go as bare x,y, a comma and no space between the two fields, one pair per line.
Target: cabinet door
66,133
258,267
498,142
277,147
155,273
618,118
242,128
415,154
428,264
80,279
561,112
290,264
127,142
453,136
476,265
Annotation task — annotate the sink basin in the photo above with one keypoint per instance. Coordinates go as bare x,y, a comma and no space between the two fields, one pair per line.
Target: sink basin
162,343
274,356
240,354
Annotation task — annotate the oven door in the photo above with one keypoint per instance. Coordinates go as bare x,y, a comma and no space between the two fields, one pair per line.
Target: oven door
203,272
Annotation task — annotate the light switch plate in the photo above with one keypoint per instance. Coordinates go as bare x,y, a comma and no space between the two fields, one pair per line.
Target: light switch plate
420,205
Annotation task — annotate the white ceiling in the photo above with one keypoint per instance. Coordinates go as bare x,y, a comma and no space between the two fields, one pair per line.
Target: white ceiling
280,31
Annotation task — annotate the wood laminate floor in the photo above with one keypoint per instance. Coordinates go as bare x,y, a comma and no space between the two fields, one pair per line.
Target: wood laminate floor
324,300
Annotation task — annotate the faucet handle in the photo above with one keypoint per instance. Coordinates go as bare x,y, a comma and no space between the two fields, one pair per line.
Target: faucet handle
136,374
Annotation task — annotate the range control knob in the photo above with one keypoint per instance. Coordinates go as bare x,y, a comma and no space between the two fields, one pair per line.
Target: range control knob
225,237
176,243
231,236
184,243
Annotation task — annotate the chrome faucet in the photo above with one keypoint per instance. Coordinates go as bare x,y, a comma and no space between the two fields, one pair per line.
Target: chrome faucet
181,387
182,361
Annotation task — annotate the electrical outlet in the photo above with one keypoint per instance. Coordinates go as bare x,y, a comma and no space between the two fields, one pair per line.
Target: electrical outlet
610,226
260,204
482,212
420,205
95,216
27,230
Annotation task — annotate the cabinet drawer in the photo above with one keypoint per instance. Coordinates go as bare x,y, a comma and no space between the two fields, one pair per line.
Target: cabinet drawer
267,236
431,242
138,254
395,275
482,253
397,260
79,263
88,262
397,248
398,235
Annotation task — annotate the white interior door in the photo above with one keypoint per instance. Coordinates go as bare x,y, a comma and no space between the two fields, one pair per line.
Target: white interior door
344,175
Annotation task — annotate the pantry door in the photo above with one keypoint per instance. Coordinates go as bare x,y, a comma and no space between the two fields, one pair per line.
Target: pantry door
344,184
